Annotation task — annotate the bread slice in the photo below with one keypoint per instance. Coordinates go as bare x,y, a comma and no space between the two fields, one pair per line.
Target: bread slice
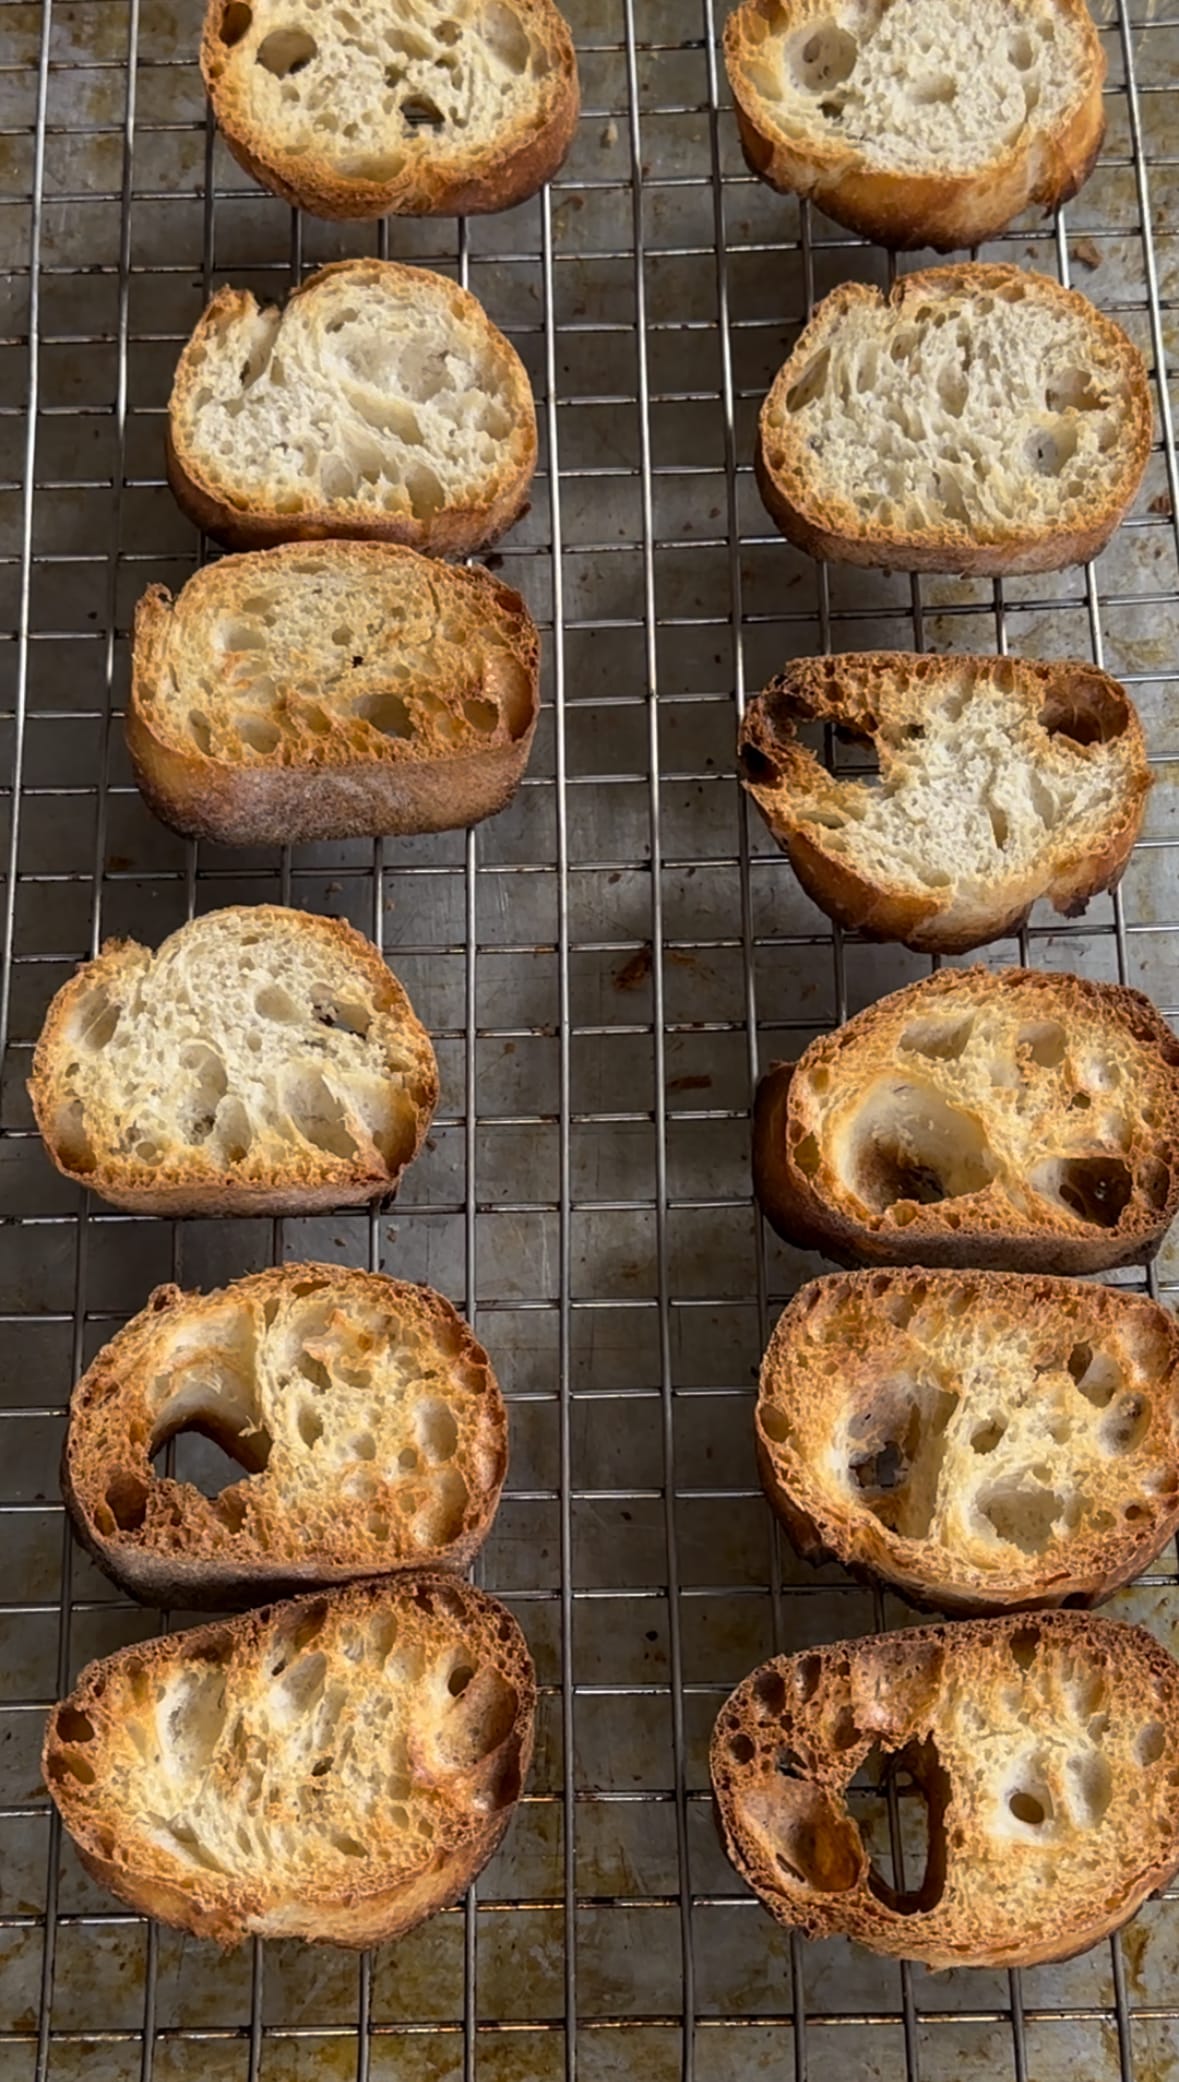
336,1769
920,122
975,419
1012,1118
331,690
363,1413
1000,782
379,402
986,1441
263,1061
1045,1751
426,110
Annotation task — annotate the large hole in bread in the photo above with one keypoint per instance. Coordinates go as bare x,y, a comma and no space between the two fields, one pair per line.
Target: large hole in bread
1089,711
895,1448
235,22
317,1114
1022,1512
799,1829
918,1876
822,56
286,52
906,1143
1096,1189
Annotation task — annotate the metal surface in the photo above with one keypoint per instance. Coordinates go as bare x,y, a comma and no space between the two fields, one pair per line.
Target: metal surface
603,967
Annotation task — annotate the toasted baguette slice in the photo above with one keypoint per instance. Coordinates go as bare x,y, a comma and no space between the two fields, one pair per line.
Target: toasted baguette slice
924,122
1001,781
264,1061
364,1414
408,111
977,419
380,402
1046,1752
328,691
986,1441
335,1769
1011,1118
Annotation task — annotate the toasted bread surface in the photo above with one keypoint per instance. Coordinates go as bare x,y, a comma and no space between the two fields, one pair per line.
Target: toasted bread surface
1011,1118
334,690
418,110
1001,781
923,122
262,1061
379,402
1046,1750
984,1441
363,1413
335,1769
977,419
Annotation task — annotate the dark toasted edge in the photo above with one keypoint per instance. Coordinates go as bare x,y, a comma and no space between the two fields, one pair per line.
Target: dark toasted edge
947,212
829,1540
362,1916
455,531
1011,1950
224,1195
811,689
194,1583
505,181
237,803
952,548
803,1218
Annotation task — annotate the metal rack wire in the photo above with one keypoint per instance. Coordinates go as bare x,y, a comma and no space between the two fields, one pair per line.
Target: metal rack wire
603,967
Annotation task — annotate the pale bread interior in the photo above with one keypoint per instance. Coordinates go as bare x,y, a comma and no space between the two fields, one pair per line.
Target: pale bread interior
365,1416
308,656
1002,1425
986,410
389,390
394,84
246,1042
918,86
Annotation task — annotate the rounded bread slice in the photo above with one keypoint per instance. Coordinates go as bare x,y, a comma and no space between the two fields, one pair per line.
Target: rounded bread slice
1045,1749
977,419
262,1061
334,1769
380,402
919,122
1009,1118
362,1411
331,690
442,108
984,1441
1001,781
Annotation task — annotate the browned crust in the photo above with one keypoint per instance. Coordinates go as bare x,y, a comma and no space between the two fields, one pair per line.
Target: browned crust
523,163
807,1217
142,1189
328,794
851,692
798,508
454,531
109,1440
947,211
373,1911
894,1680
929,1575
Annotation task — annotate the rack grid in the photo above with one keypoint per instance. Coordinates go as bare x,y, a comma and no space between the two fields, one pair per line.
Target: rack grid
603,967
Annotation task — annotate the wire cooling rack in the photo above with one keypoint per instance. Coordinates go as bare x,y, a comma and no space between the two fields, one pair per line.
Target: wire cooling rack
603,967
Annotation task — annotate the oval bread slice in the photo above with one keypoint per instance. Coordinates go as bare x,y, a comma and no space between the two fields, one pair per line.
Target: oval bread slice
976,419
919,122
1009,1118
364,1415
334,1769
331,690
263,1061
1000,781
985,1441
1045,1749
380,402
429,110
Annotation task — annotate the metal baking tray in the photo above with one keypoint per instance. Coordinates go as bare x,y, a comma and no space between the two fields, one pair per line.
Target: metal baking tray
603,967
